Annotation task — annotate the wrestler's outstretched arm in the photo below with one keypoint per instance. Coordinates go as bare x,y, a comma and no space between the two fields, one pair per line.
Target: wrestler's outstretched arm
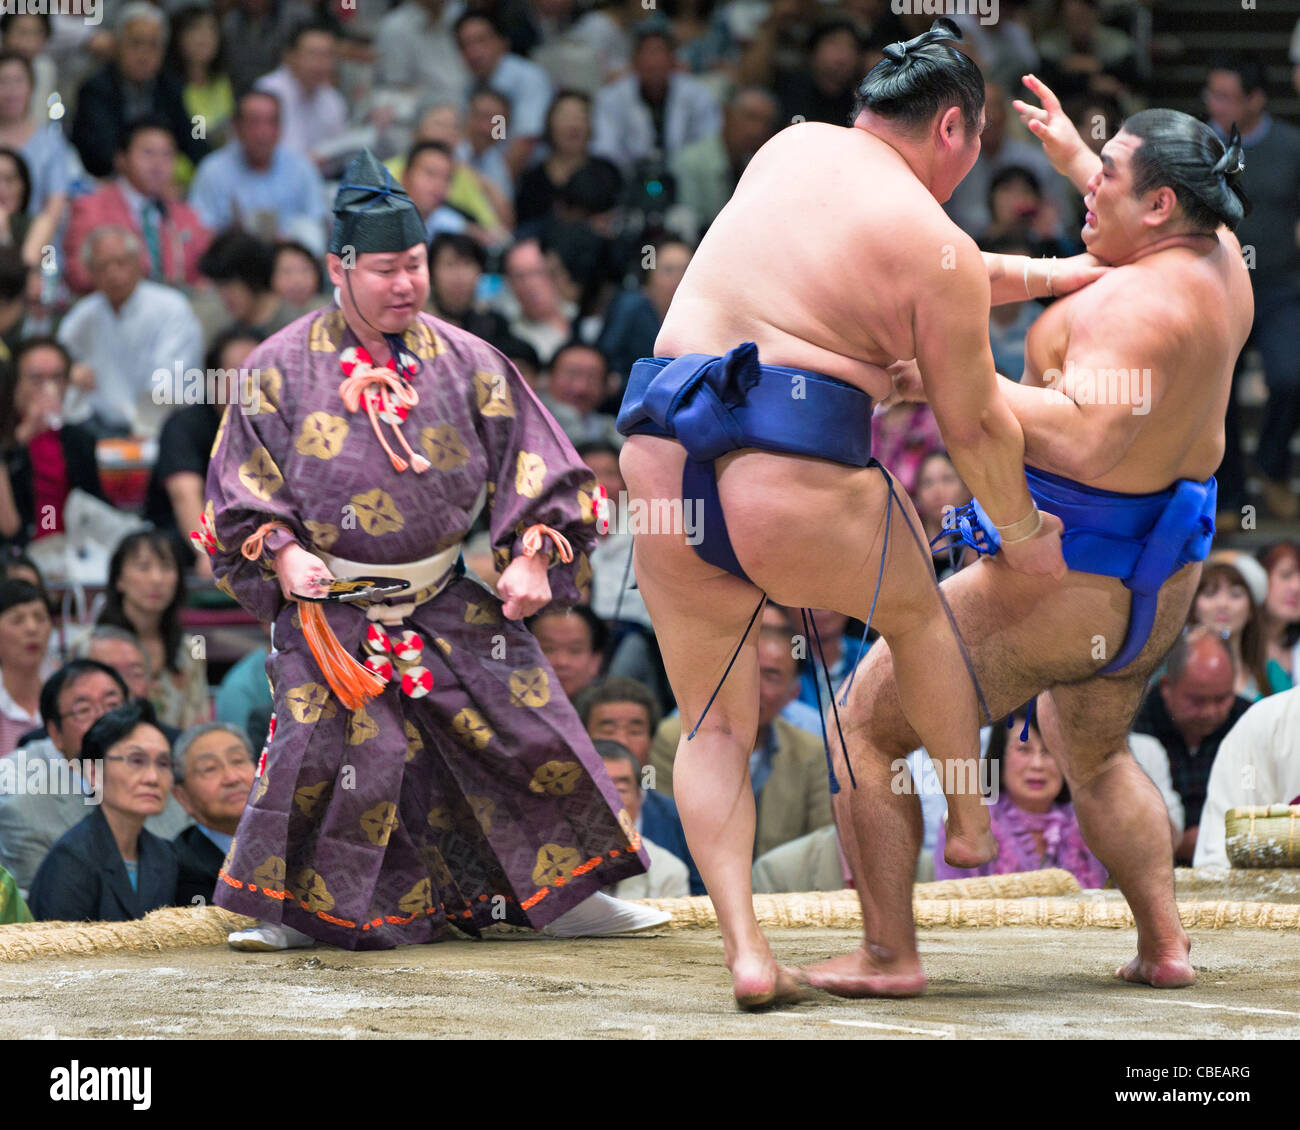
1017,278
1062,145
985,442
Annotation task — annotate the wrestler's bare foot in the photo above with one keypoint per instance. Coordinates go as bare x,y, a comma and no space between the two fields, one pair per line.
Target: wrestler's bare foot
969,848
863,974
758,982
1167,967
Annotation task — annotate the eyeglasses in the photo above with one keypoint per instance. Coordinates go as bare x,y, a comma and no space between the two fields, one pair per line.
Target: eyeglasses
90,711
138,762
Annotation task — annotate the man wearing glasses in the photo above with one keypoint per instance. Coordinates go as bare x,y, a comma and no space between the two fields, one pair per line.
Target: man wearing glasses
42,792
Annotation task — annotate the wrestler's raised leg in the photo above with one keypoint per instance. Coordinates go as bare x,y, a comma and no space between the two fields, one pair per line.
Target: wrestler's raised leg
1122,816
880,826
835,564
700,612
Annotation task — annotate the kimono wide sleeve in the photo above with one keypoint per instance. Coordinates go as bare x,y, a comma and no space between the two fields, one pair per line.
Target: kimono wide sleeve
535,477
246,489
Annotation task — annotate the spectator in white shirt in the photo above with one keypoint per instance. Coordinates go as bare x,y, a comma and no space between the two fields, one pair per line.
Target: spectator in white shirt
1258,764
258,184
416,52
125,333
655,112
312,110
527,86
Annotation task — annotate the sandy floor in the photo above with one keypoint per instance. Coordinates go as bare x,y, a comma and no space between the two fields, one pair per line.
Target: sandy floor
1008,983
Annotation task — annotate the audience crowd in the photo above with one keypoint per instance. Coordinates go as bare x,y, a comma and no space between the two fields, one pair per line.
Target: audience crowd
165,182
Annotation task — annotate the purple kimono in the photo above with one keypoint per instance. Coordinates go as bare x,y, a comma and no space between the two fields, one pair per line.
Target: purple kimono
482,801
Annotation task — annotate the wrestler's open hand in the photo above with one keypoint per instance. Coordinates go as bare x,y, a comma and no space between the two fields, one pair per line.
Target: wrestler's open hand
300,572
1051,125
524,587
1040,555
1076,272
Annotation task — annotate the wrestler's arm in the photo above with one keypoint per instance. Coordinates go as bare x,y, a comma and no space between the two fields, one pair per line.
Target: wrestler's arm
1085,441
985,442
1010,281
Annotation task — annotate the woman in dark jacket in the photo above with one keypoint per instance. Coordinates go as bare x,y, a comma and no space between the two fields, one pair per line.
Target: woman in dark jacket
108,868
41,458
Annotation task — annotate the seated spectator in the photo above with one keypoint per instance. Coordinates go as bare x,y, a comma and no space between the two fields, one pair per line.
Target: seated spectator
635,317
613,597
1010,322
667,875
655,112
567,138
821,89
1282,615
145,593
44,458
573,641
579,257
109,867
623,711
121,650
427,178
242,266
704,40
14,290
244,697
902,436
472,192
1019,212
212,773
16,222
1033,820
132,85
12,907
578,379
139,198
1081,55
415,51
969,203
787,769
195,55
312,110
32,819
840,652
543,319
709,169
487,55
1258,764
174,499
456,264
939,487
256,183
28,35
45,152
483,148
1189,711
1232,589
256,33
25,627
297,276
124,333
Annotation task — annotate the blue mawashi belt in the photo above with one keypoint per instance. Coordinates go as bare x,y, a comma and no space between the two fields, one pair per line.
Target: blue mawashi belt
1139,539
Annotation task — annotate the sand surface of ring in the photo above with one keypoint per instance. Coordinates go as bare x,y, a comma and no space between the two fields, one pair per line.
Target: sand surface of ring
999,983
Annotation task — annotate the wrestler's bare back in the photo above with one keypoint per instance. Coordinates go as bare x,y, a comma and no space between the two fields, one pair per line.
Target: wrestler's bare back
1169,328
813,259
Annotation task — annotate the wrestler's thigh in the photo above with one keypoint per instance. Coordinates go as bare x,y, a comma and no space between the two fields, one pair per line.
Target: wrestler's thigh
1000,639
1087,721
699,611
